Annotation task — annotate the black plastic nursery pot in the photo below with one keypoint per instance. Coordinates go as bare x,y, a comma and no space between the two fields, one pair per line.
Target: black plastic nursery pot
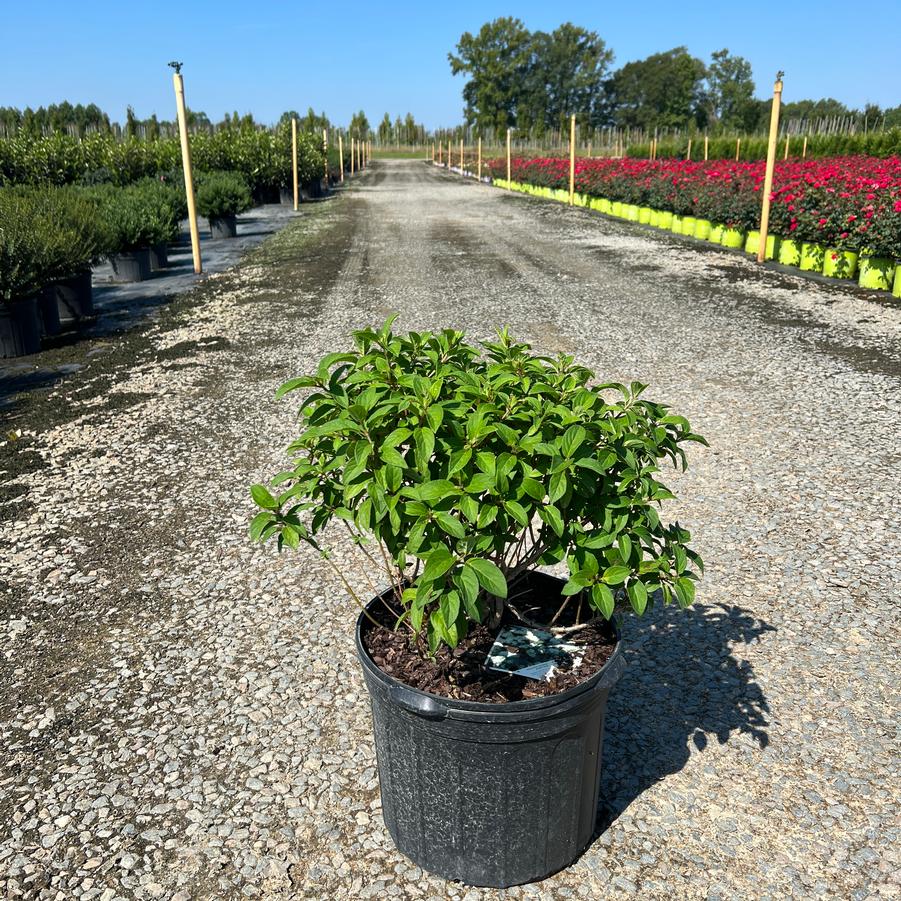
49,313
223,226
20,327
489,794
132,265
74,299
159,256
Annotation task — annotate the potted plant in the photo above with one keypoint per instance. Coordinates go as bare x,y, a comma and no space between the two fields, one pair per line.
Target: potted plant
455,472
220,197
21,274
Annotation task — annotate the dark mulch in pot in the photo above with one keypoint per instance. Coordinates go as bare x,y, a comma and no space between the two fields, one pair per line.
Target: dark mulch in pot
461,673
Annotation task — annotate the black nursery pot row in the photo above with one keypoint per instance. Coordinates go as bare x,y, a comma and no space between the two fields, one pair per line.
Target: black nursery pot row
62,306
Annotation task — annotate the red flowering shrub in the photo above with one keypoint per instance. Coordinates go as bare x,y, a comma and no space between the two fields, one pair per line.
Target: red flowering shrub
849,202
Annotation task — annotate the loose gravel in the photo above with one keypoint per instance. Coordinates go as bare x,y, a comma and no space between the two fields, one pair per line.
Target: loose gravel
181,713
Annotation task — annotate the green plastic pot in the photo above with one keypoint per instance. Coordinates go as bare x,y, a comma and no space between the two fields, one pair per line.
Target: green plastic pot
616,208
631,211
812,256
665,220
716,233
676,224
752,242
606,206
839,263
876,273
789,252
688,225
732,237
654,219
772,247
702,229
644,215
896,287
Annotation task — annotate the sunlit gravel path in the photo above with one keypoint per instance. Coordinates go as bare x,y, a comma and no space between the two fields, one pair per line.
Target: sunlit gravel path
181,713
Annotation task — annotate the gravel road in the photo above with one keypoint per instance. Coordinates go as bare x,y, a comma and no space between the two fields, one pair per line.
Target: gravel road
181,713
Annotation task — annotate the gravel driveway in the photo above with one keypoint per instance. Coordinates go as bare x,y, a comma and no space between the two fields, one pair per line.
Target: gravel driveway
181,713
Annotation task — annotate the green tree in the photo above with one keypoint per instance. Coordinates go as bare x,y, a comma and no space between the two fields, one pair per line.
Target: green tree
730,100
385,130
567,73
131,123
359,125
497,61
665,90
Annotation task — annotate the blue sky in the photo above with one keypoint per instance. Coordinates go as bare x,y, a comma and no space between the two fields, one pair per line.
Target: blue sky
339,57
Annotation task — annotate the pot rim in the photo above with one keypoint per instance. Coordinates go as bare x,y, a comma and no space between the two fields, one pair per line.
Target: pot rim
609,672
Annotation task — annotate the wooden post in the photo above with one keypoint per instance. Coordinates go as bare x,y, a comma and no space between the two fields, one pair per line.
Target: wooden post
479,169
450,153
572,159
325,154
706,144
186,166
737,148
294,162
440,154
688,154
785,155
589,150
770,166
352,160
341,157
462,172
804,148
509,177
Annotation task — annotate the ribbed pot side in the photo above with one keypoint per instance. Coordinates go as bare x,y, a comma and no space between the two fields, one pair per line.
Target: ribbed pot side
489,794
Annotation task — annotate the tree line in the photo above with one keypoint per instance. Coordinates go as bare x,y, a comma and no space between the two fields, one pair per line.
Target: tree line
534,80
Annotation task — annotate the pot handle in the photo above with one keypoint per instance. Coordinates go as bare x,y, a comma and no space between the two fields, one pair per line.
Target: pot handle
418,704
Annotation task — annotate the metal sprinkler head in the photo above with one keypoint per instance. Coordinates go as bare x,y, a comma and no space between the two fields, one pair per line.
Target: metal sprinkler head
176,65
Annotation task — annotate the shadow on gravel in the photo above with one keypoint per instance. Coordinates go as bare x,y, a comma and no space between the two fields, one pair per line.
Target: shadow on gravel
682,684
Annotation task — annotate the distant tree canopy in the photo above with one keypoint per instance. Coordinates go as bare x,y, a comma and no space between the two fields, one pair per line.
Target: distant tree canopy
401,131
535,80
530,79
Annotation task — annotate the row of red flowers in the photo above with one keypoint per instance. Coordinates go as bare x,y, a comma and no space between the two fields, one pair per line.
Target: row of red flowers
847,202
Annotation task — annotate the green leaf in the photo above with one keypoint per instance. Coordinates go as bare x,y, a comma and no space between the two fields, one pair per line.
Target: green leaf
480,483
259,522
263,498
436,490
424,439
439,561
616,575
458,460
489,576
517,511
533,488
305,381
551,515
468,583
572,439
558,486
638,596
450,525
602,599
685,591
624,543
573,586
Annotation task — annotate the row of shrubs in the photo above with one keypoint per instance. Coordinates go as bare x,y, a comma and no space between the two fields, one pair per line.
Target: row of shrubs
262,157
49,233
875,143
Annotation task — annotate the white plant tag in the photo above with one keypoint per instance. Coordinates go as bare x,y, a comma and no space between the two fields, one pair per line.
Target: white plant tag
532,653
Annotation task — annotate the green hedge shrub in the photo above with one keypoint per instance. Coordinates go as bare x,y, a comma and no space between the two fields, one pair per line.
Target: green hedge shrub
221,194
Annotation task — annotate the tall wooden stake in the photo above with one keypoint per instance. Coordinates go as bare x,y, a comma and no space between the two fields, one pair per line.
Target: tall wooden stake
186,166
294,162
480,160
325,154
352,160
572,159
462,172
688,154
804,148
770,166
785,156
508,156
341,158
706,144
737,148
